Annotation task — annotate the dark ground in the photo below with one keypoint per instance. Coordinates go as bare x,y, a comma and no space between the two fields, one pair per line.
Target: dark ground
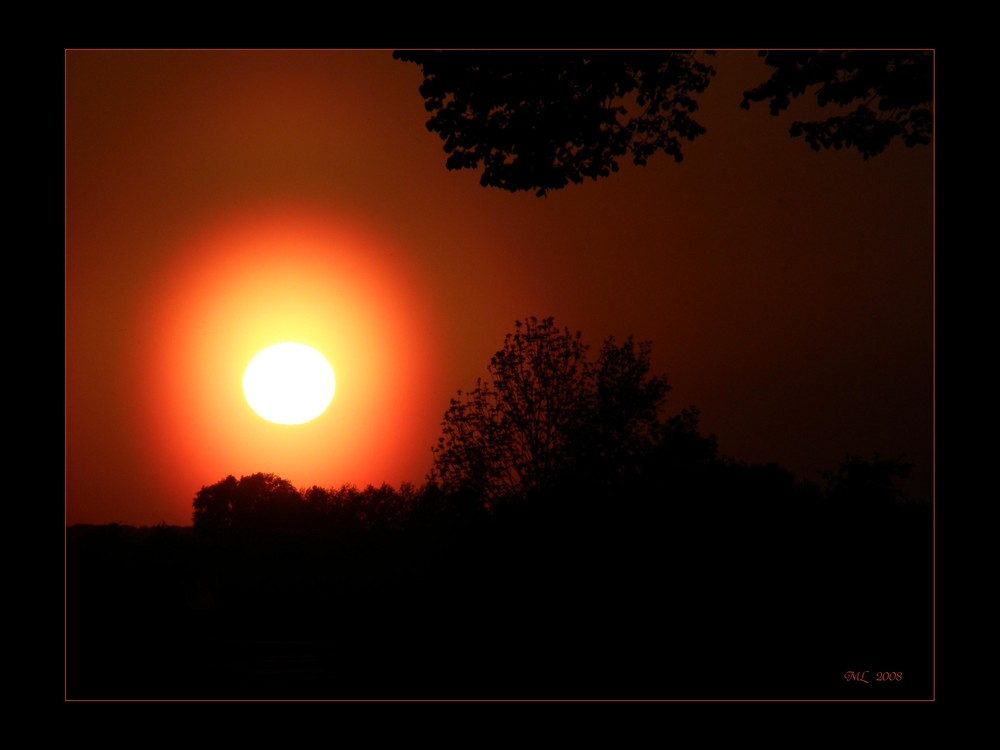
704,601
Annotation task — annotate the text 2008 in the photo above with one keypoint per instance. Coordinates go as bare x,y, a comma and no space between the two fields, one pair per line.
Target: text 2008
861,675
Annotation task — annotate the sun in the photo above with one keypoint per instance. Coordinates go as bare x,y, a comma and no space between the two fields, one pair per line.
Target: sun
289,383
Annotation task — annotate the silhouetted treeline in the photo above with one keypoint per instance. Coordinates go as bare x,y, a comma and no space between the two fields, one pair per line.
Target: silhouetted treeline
570,543
694,576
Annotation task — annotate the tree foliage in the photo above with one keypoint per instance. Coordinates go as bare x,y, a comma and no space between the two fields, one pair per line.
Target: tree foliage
870,483
350,509
892,92
265,503
546,410
540,120
253,501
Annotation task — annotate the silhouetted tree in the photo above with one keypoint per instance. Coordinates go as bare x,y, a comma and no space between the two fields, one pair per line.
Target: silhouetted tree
348,509
540,120
213,505
893,91
547,410
867,484
624,424
682,452
254,501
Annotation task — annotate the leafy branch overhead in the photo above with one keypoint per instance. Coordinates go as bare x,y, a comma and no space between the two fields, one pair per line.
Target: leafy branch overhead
892,91
541,120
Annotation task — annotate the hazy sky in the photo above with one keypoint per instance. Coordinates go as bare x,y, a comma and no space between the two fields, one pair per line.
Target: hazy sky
218,202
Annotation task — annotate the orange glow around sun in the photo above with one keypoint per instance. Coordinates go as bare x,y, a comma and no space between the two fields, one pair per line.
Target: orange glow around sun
256,279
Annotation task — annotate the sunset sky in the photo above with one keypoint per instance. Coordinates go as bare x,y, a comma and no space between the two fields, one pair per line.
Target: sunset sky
218,202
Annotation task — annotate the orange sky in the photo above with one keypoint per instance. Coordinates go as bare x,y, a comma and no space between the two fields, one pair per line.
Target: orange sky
218,202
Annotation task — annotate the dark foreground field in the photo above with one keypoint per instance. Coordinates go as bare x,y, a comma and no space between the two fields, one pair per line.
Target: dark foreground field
656,600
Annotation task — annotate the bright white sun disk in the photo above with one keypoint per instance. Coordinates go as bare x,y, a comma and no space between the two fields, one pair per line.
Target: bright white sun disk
289,383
